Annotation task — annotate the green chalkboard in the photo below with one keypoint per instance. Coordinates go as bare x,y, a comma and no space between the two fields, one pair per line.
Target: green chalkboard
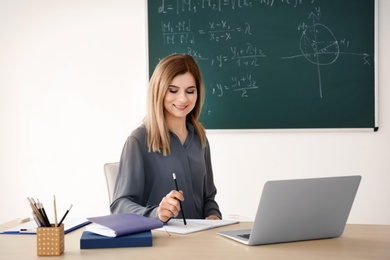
274,63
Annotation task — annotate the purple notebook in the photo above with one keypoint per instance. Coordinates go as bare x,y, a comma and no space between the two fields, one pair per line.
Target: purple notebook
121,224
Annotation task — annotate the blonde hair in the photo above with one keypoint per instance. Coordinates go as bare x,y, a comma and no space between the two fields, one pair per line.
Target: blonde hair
166,70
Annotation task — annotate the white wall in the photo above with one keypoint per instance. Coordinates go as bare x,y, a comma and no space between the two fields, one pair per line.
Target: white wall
73,80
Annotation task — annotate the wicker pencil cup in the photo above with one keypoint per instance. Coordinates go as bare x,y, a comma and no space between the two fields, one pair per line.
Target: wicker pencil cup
50,240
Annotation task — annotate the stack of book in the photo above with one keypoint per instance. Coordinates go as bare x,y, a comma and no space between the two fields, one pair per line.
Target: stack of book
119,230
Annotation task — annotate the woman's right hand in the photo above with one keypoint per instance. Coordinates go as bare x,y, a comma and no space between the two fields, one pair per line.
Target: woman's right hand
170,206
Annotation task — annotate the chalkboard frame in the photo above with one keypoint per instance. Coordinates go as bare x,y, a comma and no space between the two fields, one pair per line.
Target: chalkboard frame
233,125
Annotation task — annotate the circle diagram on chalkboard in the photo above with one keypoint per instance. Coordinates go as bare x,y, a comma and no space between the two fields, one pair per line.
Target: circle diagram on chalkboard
319,45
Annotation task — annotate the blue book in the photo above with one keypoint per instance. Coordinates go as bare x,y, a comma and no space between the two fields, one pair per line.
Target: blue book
91,240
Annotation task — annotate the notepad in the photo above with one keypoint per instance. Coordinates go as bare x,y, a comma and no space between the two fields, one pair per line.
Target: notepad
193,225
30,227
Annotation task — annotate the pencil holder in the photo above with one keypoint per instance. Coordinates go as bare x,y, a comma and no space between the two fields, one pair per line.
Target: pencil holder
50,240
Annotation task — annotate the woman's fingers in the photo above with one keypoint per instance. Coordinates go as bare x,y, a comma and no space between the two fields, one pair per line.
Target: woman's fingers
170,206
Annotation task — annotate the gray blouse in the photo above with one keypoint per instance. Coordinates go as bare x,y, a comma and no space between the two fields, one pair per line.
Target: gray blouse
144,177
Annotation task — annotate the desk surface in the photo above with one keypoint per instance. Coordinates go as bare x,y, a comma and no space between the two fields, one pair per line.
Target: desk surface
357,242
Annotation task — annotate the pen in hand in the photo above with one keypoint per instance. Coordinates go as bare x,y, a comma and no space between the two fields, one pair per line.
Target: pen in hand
181,206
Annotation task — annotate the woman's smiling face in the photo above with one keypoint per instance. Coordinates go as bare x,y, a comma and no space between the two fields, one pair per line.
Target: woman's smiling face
181,97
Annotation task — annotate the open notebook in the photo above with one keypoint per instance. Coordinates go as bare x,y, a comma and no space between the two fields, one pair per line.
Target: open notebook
193,225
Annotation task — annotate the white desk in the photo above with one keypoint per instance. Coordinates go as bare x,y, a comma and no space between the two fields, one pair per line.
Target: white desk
357,242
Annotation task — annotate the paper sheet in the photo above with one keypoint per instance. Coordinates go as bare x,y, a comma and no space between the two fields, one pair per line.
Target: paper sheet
193,225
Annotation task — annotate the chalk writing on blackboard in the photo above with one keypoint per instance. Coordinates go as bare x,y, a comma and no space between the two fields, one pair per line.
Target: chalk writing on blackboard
181,33
183,6
273,63
241,84
319,45
248,55
222,31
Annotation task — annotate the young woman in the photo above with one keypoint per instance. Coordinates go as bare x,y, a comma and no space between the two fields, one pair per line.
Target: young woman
170,140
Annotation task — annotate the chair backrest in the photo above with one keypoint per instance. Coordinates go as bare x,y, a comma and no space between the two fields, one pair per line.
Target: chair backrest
110,172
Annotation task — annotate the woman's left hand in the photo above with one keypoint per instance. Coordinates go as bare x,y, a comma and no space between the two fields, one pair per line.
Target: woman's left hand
213,217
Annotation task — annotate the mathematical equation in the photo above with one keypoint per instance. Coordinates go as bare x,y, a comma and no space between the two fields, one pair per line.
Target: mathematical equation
253,38
240,84
244,56
183,6
181,33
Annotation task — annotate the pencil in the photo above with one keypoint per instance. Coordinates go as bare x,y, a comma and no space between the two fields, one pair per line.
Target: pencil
36,211
66,213
55,211
181,206
43,212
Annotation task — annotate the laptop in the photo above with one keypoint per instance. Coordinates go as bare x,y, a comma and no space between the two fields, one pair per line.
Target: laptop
300,209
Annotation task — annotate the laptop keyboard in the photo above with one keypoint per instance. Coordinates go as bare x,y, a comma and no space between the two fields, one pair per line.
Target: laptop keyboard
246,236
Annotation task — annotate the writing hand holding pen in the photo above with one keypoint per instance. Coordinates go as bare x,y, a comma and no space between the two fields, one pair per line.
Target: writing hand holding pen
169,206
